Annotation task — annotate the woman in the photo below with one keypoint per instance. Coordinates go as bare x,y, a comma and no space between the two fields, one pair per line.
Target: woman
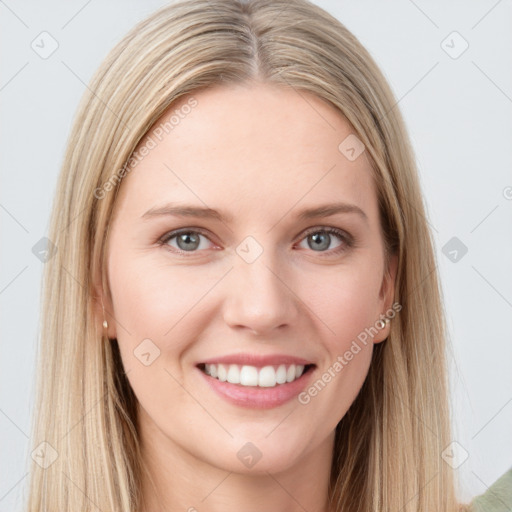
243,310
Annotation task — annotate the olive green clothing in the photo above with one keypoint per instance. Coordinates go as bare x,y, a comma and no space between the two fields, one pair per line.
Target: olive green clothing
498,498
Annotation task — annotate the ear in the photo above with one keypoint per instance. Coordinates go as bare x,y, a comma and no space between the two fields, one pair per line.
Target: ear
386,295
103,309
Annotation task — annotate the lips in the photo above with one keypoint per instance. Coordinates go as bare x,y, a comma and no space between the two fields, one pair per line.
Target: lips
269,395
260,381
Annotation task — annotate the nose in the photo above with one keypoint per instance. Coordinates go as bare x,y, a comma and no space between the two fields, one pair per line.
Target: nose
260,297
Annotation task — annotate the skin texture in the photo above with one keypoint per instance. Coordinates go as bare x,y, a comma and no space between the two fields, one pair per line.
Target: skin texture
260,154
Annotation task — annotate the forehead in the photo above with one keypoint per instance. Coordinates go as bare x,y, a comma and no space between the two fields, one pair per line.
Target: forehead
248,149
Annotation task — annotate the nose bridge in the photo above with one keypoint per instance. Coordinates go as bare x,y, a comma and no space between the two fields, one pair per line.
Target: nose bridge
258,297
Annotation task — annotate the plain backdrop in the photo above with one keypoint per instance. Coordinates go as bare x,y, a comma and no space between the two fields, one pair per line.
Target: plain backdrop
449,65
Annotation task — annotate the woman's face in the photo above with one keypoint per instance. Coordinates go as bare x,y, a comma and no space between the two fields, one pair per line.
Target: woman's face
251,281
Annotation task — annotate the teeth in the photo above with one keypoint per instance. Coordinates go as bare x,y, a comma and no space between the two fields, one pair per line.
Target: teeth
222,374
266,377
281,374
248,376
233,374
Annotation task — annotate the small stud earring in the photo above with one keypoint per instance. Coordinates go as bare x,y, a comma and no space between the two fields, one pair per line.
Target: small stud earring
105,323
383,323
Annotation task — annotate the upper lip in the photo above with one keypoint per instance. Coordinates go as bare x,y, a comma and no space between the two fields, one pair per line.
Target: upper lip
257,360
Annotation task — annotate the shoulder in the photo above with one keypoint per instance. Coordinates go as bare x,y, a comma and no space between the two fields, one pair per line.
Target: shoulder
497,498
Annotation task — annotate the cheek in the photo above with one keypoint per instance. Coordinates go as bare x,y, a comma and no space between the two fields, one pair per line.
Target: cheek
155,311
153,299
346,306
345,301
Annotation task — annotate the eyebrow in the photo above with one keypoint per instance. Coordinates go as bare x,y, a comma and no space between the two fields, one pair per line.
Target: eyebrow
182,210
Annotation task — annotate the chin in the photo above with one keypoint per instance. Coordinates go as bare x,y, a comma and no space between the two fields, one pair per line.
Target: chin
262,454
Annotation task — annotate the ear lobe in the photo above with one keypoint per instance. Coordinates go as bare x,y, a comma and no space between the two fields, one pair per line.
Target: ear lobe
103,310
388,284
387,295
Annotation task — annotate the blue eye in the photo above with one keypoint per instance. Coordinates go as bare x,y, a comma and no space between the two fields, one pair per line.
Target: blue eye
189,240
321,239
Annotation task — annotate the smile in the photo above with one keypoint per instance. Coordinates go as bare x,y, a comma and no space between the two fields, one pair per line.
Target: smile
255,381
247,375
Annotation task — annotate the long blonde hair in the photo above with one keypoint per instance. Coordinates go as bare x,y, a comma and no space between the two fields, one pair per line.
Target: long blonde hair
388,446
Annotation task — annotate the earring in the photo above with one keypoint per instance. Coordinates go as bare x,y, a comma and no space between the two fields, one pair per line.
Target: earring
383,323
105,323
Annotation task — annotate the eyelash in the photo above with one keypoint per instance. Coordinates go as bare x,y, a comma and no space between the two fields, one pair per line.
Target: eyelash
348,240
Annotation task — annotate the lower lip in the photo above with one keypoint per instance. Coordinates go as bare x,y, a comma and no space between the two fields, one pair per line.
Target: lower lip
253,397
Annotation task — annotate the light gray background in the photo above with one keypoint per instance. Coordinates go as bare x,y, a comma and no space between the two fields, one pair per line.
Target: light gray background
458,112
